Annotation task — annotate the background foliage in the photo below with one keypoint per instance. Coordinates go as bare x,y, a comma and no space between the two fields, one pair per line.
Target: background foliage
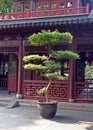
6,6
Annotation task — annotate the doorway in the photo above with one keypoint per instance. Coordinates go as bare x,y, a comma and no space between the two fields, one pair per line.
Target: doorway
84,77
4,71
12,73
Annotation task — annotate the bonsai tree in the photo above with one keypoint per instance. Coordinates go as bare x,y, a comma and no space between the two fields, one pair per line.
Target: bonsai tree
50,64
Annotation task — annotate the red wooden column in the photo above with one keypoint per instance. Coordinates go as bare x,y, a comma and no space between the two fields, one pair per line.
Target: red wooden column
71,77
77,6
77,3
20,70
87,8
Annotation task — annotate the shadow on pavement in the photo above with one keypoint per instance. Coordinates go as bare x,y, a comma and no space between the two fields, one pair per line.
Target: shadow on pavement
64,119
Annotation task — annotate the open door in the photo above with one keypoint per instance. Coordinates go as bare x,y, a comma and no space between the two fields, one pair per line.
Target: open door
12,73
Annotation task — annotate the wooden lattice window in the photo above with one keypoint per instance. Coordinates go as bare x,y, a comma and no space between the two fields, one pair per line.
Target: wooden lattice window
38,7
69,4
26,8
46,6
61,5
53,6
19,9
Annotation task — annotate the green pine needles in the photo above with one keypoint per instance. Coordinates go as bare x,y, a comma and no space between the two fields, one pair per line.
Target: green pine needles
6,6
50,38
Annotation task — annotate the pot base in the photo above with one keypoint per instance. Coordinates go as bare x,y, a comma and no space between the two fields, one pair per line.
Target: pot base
47,110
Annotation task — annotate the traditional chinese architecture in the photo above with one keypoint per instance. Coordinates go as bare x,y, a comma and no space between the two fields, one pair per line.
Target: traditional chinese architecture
32,16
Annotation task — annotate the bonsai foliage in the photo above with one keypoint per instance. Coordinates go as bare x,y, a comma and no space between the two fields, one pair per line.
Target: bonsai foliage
50,64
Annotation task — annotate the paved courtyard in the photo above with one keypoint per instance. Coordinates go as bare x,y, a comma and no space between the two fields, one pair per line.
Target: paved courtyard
27,118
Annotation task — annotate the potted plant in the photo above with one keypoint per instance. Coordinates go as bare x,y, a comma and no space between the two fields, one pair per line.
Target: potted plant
49,64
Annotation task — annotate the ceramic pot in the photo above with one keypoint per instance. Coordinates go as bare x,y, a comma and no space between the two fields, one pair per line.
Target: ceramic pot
47,109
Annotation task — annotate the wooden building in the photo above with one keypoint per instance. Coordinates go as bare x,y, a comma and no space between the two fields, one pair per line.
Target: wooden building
32,16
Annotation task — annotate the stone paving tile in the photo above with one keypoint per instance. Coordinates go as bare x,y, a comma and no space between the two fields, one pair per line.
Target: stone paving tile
28,118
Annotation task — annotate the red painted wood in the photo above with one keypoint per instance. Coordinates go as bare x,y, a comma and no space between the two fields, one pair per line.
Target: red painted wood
28,14
12,73
87,8
56,12
58,89
27,9
12,84
20,68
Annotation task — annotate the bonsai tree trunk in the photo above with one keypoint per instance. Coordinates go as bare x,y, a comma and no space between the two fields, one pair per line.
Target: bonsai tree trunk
45,91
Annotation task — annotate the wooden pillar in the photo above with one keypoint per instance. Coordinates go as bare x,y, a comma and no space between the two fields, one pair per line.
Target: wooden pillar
31,6
49,4
87,8
71,77
77,6
20,70
77,3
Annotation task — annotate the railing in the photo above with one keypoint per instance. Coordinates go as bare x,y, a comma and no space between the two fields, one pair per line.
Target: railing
84,91
57,91
45,13
3,83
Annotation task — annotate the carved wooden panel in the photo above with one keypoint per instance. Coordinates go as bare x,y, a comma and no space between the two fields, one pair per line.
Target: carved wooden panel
58,89
32,49
9,49
83,47
9,43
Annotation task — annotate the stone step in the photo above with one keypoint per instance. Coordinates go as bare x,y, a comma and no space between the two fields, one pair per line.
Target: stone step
4,102
61,105
26,102
76,106
14,103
